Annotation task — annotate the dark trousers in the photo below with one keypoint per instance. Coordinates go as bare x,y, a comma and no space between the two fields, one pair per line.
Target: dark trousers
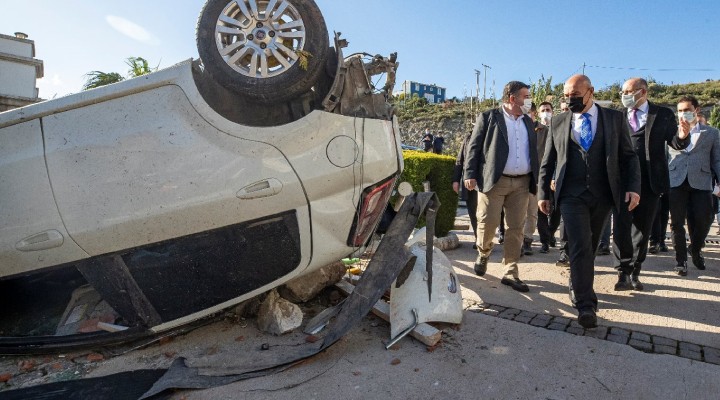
695,206
471,202
543,227
584,218
659,228
555,223
501,227
630,251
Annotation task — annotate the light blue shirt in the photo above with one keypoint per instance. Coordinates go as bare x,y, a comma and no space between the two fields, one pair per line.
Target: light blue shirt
577,120
518,161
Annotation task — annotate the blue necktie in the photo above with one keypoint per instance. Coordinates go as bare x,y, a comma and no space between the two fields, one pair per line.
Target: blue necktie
586,136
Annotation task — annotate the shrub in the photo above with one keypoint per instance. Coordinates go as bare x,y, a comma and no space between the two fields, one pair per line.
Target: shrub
423,166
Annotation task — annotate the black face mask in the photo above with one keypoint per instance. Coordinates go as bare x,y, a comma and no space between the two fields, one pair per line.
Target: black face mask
575,103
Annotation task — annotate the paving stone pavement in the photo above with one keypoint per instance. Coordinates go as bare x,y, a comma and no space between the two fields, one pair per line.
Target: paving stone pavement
673,315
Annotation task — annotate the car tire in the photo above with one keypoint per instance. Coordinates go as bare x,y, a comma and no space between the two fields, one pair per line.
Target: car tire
255,54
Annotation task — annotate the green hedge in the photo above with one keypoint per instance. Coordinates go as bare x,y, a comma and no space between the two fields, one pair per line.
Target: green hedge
438,169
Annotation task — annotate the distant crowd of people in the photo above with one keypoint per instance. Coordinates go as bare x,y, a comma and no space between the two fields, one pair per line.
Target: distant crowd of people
525,168
432,143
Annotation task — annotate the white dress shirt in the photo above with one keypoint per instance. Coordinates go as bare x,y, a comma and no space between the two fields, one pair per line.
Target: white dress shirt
577,120
518,161
694,135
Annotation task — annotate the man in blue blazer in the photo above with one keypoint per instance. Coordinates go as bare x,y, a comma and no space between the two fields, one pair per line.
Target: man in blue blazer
691,172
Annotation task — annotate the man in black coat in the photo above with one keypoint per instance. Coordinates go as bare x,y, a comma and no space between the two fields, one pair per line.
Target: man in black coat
590,155
652,128
502,164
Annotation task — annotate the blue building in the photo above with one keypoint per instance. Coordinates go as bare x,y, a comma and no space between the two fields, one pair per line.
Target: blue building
433,93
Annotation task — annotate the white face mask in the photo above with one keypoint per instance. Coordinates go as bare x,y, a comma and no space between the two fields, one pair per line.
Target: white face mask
628,100
688,116
545,116
527,105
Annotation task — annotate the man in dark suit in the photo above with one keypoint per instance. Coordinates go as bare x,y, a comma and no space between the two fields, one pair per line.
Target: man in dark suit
652,128
691,172
502,165
543,223
470,196
590,155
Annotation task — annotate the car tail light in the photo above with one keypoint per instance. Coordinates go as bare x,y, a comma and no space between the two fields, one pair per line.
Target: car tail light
372,206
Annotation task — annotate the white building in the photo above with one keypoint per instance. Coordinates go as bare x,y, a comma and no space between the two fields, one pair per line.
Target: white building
18,71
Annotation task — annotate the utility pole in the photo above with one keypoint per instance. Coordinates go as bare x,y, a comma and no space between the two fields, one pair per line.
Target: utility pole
485,81
583,68
477,85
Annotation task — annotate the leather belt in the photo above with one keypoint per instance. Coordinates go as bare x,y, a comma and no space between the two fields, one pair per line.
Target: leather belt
515,176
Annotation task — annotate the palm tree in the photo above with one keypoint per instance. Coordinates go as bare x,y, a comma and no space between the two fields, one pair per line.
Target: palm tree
98,78
138,67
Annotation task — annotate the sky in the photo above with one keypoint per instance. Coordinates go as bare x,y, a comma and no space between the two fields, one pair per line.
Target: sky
438,42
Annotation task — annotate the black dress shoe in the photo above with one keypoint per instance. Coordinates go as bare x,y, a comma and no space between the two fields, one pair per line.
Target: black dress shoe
527,247
544,248
474,246
623,282
663,248
681,268
501,238
698,261
587,318
603,250
516,284
481,265
635,282
563,261
553,242
653,248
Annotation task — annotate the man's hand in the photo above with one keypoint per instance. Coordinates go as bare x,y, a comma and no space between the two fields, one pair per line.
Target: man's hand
456,187
544,206
683,129
552,185
470,184
632,198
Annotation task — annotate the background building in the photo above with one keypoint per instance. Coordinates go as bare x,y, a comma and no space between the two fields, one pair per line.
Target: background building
18,71
433,93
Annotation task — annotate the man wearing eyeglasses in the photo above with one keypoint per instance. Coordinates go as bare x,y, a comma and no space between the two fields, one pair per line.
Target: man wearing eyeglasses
591,157
652,128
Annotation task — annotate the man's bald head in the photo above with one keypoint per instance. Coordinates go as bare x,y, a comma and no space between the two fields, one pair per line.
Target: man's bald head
580,81
579,86
638,87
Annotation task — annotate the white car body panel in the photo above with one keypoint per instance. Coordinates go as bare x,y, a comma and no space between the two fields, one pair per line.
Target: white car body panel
28,215
148,160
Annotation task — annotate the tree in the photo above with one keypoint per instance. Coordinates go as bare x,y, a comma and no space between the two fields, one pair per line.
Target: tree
714,117
98,78
138,67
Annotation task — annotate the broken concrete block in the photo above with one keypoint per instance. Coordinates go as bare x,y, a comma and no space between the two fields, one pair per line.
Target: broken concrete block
308,286
278,316
449,242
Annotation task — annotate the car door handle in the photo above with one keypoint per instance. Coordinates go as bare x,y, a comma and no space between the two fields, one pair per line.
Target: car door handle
41,241
263,188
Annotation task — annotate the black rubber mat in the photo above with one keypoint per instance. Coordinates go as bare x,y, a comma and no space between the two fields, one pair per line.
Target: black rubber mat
122,386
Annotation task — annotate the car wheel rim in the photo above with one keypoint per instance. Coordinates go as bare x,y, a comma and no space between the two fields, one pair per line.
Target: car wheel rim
260,39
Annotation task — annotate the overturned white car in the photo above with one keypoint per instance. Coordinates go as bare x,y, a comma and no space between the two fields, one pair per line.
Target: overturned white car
159,200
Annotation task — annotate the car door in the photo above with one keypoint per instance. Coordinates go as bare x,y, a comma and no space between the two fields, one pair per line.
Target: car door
32,235
189,207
